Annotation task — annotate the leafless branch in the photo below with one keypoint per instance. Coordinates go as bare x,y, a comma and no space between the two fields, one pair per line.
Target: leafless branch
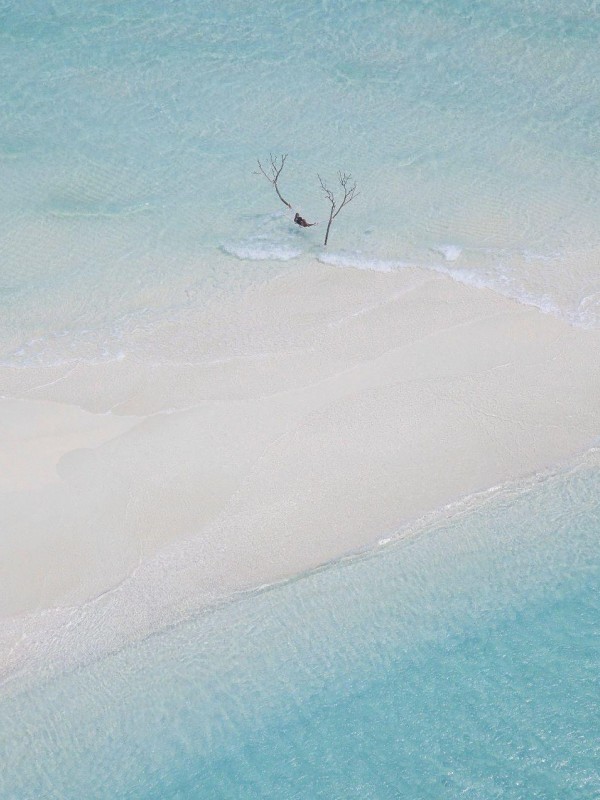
349,193
272,173
276,165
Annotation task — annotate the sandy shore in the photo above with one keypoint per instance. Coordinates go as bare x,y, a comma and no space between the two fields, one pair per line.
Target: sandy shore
312,416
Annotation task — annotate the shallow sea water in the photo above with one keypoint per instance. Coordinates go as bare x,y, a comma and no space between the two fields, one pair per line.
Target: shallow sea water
130,133
460,662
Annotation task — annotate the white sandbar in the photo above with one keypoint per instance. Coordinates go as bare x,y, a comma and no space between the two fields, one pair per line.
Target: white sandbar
266,435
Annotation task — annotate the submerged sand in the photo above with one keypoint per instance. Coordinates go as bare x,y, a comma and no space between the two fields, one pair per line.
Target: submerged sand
265,435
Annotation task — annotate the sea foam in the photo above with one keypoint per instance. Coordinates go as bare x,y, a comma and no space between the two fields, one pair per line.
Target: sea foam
358,261
261,250
585,313
451,252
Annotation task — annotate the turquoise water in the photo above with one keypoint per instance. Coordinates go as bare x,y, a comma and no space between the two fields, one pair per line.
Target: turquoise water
462,662
130,133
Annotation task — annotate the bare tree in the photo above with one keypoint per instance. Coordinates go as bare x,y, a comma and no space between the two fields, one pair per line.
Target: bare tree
274,169
272,173
349,190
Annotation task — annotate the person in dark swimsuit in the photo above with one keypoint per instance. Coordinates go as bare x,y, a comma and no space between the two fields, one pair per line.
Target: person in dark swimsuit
302,222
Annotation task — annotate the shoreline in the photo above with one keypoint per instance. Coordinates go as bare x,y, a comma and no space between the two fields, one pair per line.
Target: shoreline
37,667
314,416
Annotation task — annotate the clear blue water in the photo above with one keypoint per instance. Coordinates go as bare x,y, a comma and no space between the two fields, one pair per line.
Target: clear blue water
462,662
130,133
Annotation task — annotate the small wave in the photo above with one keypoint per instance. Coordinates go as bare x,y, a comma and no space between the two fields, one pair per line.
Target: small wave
451,252
357,261
107,341
588,312
48,352
261,250
501,286
586,315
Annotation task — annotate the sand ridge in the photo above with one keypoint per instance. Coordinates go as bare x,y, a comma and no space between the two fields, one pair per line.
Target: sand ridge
268,434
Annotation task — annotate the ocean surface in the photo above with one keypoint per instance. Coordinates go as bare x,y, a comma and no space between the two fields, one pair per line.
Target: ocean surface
130,133
459,662
462,661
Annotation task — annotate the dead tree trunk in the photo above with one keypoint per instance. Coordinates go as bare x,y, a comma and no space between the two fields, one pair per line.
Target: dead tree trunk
329,221
349,193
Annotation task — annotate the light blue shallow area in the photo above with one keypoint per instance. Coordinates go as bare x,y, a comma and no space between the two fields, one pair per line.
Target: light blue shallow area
130,133
462,662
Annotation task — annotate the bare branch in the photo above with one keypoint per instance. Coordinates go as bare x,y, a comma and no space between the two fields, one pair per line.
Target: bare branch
327,191
275,167
272,173
349,190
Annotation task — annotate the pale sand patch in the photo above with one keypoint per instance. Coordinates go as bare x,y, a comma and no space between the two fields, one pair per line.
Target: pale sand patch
36,434
267,435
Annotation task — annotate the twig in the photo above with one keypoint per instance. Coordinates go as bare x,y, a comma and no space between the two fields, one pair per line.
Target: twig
272,176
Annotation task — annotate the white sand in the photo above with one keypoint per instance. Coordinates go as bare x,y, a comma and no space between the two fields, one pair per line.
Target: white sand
308,418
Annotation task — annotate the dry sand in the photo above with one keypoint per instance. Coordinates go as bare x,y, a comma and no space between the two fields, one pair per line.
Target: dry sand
238,445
